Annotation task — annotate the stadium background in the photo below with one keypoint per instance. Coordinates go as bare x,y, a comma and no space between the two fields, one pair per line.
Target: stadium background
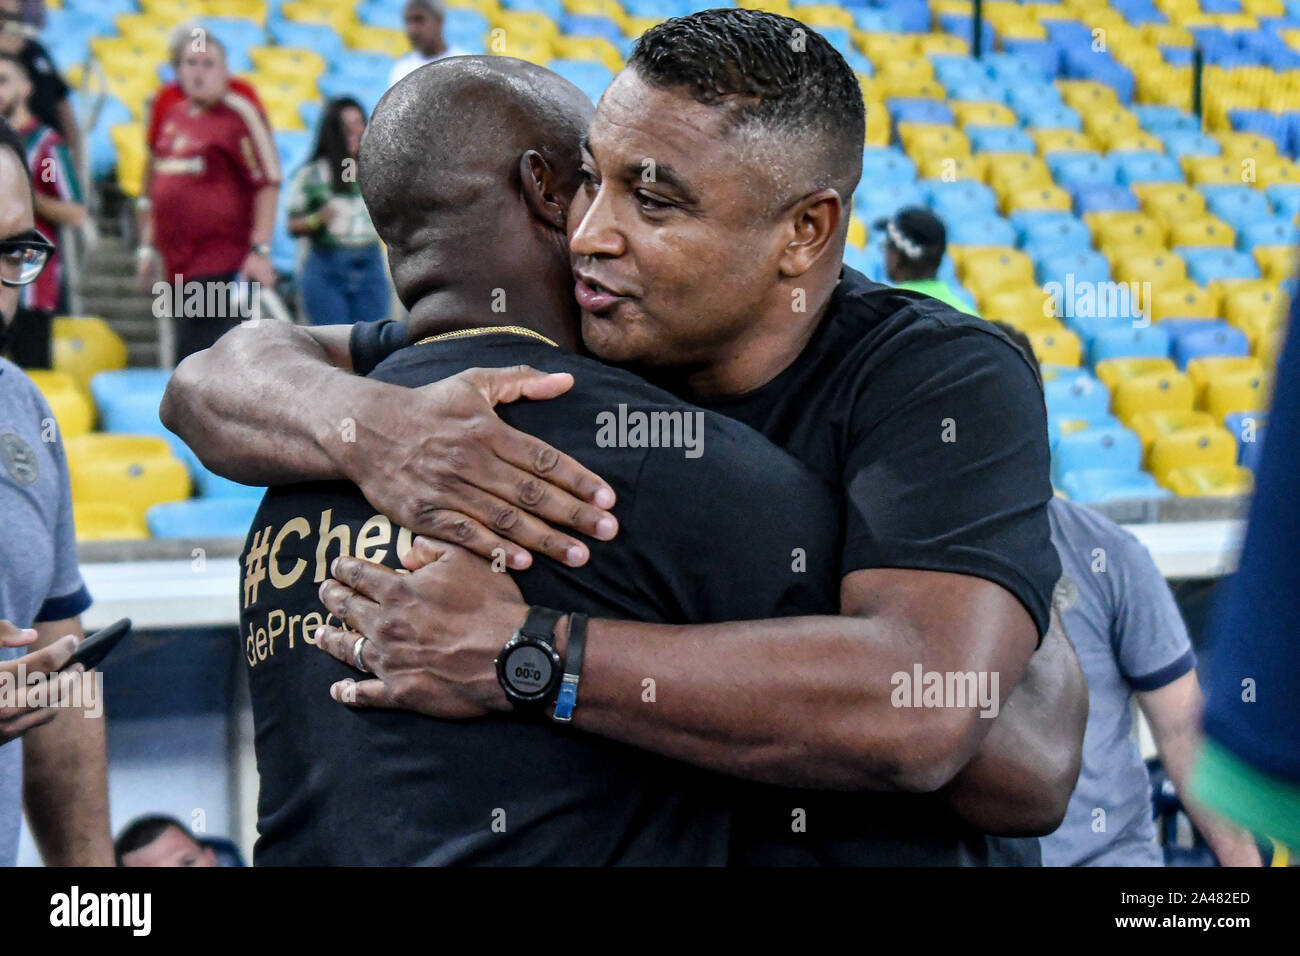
1090,144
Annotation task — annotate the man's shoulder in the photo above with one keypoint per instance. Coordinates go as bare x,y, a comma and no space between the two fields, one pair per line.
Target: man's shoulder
1077,525
17,386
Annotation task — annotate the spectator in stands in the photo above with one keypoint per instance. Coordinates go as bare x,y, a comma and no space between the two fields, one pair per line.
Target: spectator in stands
49,100
59,770
58,204
169,94
213,192
343,279
423,19
915,241
1131,640
160,841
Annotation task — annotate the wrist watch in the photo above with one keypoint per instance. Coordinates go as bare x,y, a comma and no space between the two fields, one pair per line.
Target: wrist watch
262,249
529,667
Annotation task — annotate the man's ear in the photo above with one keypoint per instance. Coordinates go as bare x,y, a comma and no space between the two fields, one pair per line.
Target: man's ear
816,219
542,192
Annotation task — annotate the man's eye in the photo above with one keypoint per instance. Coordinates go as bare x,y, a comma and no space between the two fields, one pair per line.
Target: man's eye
652,204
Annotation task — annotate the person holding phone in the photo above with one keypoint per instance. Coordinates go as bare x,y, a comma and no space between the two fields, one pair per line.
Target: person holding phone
58,770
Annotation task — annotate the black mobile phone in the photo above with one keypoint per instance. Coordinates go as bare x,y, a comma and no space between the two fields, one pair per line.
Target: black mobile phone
95,648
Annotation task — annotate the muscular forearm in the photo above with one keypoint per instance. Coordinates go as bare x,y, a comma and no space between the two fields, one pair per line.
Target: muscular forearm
796,701
65,778
1020,781
286,415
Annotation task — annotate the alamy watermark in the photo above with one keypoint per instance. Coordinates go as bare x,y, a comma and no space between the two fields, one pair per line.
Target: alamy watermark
959,689
18,690
1087,298
207,300
658,429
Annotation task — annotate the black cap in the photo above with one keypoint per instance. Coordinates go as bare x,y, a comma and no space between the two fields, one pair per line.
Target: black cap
914,231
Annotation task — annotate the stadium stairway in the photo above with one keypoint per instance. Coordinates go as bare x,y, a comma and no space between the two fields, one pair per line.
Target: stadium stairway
109,289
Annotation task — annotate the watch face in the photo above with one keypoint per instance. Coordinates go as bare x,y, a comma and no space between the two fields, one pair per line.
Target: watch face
528,669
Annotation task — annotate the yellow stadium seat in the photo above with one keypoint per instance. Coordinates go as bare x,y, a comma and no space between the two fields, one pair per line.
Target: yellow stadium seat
135,471
288,61
933,139
129,145
526,25
255,10
635,26
1025,308
1191,448
953,167
1087,96
603,8
1060,141
1035,197
1156,267
983,114
1170,202
1113,371
898,84
1210,169
1022,30
1056,346
1168,34
1150,426
1015,171
84,345
1237,392
281,106
941,44
1263,8
1185,300
590,48
377,40
143,26
1103,122
73,411
945,7
857,232
880,47
1270,172
1119,139
173,10
341,18
535,50
905,72
1238,146
1157,391
1118,228
1206,230
1276,262
106,521
822,15
489,8
1207,369
1211,481
985,271
877,125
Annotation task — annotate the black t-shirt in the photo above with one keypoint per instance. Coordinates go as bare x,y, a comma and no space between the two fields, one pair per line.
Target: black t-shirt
723,526
48,88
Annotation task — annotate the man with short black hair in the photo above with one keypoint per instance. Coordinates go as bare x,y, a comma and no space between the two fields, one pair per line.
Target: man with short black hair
915,241
160,841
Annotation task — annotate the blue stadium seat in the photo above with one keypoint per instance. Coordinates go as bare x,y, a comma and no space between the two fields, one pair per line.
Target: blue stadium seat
978,90
1140,166
591,26
468,29
959,24
880,201
1157,118
1207,263
381,13
313,36
1101,198
1094,486
1011,67
1044,55
587,75
1284,198
1112,449
1085,265
1248,428
294,146
1149,341
1237,205
205,518
1086,398
1197,338
1262,123
980,231
1065,231
1048,115
960,198
952,70
1276,231
1026,221
999,139
1034,96
878,21
309,111
1181,142
882,166
913,16
916,109
1073,171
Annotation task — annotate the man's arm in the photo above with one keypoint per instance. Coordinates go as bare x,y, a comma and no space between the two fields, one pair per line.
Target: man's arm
805,701
1174,713
62,211
65,774
435,459
1021,779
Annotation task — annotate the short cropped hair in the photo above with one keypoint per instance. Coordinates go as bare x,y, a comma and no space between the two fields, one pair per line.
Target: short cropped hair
781,80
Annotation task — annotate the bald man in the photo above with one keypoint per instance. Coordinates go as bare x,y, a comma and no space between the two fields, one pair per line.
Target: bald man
482,214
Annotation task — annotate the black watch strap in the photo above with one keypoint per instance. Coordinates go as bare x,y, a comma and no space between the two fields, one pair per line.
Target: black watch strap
568,696
540,623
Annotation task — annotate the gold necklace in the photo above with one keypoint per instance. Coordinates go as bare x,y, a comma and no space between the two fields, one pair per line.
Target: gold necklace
488,330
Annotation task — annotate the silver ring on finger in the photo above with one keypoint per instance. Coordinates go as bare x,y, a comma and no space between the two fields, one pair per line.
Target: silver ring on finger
357,649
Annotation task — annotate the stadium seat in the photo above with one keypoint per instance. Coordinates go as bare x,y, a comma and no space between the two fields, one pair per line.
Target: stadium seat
1191,448
85,346
134,471
979,230
1103,197
1207,369
1095,486
1059,346
1158,268
1149,341
1237,205
1151,392
1183,300
202,518
1211,481
73,413
1150,426
1242,391
1275,231
991,270
1197,338
1205,265
1110,449
1085,398
1025,308
107,521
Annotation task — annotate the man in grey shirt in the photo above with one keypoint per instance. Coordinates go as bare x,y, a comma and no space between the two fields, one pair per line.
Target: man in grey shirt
1131,641
58,768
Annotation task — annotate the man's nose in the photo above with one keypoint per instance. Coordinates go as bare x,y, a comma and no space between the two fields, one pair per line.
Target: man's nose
597,233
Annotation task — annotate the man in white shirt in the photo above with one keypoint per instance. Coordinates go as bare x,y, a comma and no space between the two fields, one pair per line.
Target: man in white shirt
423,19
